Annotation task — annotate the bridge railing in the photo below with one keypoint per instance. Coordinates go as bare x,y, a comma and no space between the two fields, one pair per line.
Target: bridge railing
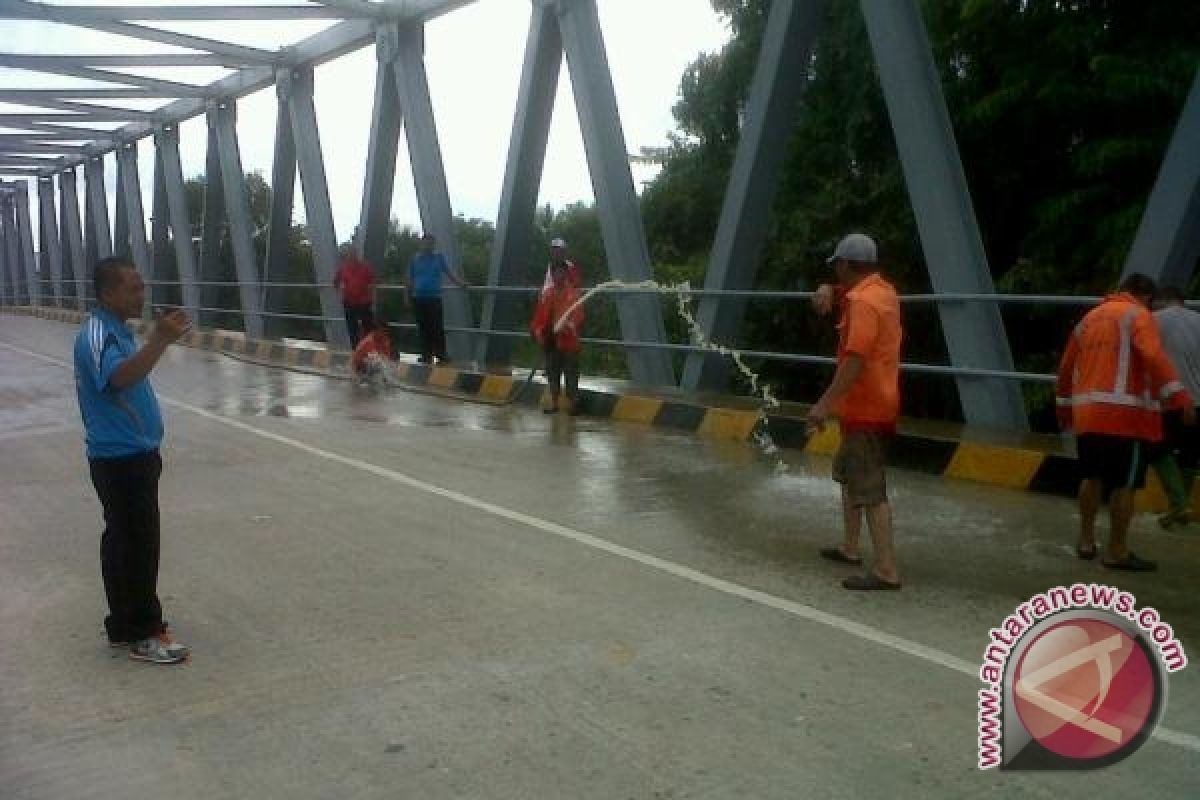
233,315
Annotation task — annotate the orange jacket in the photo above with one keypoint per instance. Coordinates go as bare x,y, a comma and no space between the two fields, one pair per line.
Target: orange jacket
1115,375
552,304
870,328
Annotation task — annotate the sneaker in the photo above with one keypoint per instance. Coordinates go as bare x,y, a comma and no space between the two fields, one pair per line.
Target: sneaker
1174,519
166,638
158,650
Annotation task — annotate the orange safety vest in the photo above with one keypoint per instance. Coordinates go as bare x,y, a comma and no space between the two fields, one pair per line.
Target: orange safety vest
1115,375
552,304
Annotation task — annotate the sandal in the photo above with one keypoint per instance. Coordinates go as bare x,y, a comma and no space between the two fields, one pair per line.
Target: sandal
1131,563
836,554
868,582
1086,553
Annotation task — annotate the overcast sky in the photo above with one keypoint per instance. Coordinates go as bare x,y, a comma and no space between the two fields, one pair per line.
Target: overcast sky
473,59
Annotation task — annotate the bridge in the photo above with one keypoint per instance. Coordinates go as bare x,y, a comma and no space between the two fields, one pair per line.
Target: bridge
390,592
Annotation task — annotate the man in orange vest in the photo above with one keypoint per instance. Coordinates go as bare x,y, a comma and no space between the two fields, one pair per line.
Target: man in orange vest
1112,383
865,397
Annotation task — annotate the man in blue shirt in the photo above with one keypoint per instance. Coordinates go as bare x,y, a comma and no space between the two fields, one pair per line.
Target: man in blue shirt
124,428
424,292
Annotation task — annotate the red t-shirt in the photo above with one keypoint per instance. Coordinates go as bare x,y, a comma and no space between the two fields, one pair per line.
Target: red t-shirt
355,278
373,342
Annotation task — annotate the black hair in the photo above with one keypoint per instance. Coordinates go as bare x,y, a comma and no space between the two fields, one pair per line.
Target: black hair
1138,285
107,273
1170,296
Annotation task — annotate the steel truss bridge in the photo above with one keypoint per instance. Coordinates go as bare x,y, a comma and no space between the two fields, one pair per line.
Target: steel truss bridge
70,128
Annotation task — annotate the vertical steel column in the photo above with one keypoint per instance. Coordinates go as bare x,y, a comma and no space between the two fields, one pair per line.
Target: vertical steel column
130,187
381,151
12,252
283,191
974,332
121,245
771,115
7,289
429,176
160,237
166,141
75,264
616,200
214,215
296,86
237,209
33,279
98,228
49,243
1167,244
522,178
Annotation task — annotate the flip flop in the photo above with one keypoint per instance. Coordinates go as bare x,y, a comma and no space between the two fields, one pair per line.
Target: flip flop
1131,563
836,554
868,582
1086,553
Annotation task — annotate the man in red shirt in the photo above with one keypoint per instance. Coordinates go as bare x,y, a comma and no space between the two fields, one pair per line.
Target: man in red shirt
356,281
865,397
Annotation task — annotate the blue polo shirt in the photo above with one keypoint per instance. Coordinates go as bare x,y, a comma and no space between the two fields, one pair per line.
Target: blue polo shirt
117,422
425,274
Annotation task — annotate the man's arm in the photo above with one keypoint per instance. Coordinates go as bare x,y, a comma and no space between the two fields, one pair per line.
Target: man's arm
167,330
1064,385
457,281
845,376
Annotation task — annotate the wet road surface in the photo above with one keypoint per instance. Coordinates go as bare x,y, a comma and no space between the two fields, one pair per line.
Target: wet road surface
395,595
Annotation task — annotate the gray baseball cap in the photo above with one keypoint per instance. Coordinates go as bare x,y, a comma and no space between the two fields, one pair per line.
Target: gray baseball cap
856,247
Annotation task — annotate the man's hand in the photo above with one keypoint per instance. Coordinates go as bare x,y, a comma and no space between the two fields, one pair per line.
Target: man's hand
818,415
823,299
170,326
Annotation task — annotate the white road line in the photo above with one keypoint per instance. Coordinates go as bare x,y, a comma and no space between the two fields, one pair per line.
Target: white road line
866,632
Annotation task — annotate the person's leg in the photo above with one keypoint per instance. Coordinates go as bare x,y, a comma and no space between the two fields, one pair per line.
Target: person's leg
112,550
438,326
554,370
1120,509
143,553
1091,495
879,523
571,374
1120,513
351,325
424,332
852,516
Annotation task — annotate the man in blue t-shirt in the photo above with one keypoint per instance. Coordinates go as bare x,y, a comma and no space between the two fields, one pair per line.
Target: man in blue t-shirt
424,292
124,429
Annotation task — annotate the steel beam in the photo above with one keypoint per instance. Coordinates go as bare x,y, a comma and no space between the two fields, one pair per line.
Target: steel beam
12,251
49,242
771,114
283,200
1167,244
616,201
78,17
167,144
974,332
429,175
75,266
33,280
98,228
7,289
17,120
169,88
160,236
214,12
295,87
48,148
213,218
130,187
62,104
120,218
513,246
237,210
26,161
382,147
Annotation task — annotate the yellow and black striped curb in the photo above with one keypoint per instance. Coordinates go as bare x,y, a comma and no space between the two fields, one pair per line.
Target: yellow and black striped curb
1013,467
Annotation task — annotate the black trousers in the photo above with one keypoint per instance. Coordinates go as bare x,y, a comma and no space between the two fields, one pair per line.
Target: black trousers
560,365
430,328
128,490
359,321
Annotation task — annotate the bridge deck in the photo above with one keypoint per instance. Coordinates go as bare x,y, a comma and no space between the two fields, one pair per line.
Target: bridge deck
399,596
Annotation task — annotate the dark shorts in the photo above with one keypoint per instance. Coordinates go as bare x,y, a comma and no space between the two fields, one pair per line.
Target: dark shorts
1118,462
860,467
1181,441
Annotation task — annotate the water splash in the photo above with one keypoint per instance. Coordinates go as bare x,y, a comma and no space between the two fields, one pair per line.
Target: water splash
682,293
